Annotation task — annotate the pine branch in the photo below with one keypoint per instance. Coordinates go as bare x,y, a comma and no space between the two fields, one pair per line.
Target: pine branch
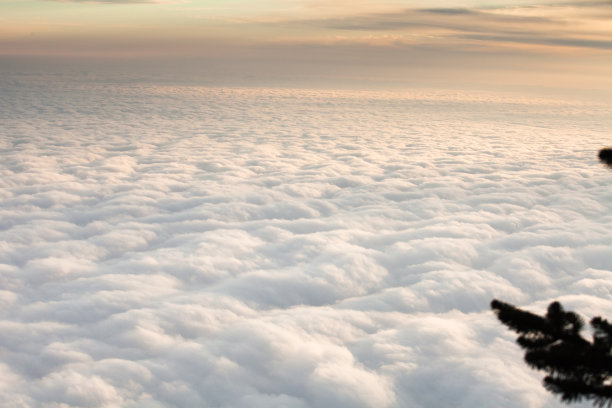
577,368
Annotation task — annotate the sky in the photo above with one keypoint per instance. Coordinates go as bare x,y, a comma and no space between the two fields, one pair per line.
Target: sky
298,203
564,44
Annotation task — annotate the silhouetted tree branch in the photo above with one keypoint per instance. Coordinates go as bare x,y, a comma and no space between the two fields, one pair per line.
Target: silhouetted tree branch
577,368
605,155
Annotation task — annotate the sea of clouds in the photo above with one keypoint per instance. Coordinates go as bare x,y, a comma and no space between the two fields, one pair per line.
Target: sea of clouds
178,246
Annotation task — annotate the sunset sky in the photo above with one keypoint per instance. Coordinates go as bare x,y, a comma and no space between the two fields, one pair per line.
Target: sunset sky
296,203
519,42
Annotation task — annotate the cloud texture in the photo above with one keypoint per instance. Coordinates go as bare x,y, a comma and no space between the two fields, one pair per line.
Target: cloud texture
183,246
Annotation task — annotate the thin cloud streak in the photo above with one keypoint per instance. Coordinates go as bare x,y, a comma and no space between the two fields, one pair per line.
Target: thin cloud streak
562,42
486,26
450,20
117,1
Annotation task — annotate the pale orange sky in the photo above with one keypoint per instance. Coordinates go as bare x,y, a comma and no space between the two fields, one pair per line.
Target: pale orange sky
518,41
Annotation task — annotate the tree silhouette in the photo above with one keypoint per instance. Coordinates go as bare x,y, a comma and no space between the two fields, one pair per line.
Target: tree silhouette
577,368
605,155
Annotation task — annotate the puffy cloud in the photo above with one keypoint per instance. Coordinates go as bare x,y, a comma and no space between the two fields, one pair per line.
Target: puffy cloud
188,246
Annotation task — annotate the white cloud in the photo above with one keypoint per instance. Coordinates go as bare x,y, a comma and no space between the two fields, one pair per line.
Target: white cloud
256,247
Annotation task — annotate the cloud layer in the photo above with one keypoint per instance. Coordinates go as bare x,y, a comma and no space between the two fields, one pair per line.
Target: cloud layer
187,246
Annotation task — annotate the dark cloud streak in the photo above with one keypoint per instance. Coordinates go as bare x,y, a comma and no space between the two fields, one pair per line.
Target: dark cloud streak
451,19
448,11
482,25
563,42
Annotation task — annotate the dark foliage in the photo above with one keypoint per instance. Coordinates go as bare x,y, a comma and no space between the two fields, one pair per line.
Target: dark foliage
577,368
605,155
